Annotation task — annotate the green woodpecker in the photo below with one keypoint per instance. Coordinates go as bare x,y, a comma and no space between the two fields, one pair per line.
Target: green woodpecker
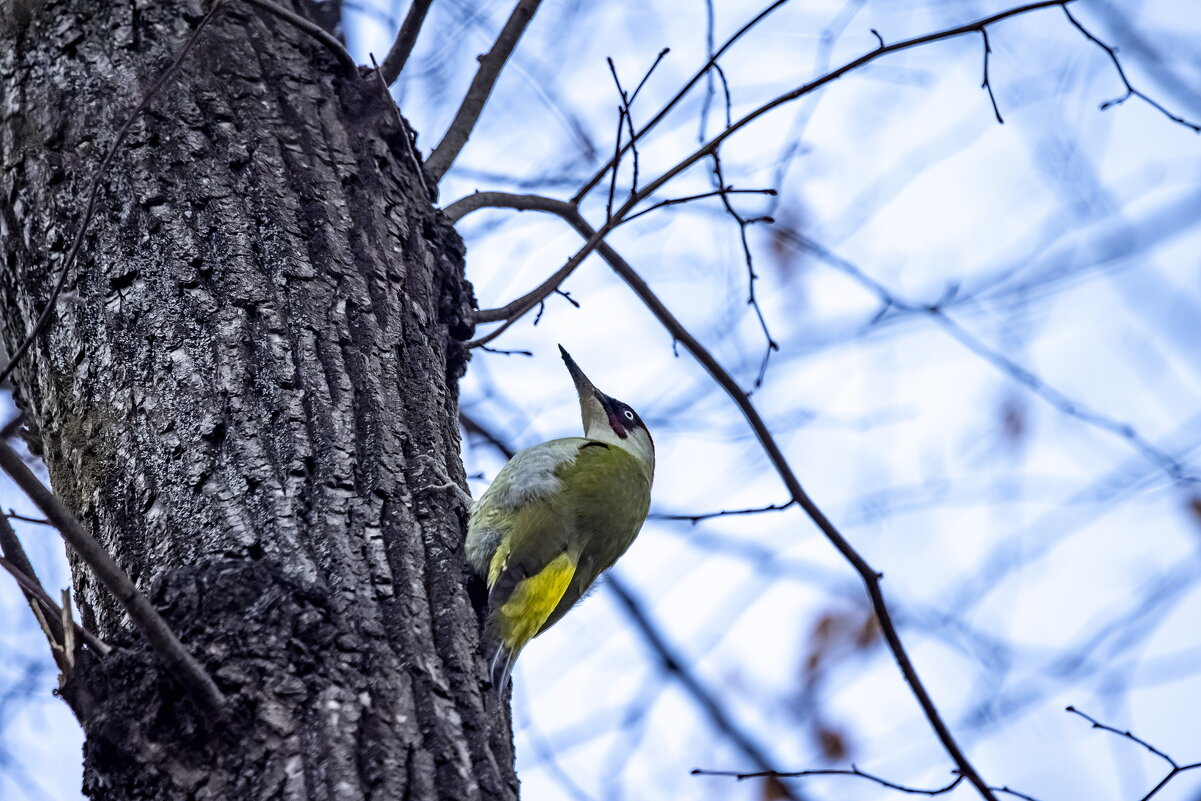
557,516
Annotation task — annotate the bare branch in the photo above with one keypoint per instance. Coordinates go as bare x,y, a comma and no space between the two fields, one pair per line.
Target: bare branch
404,128
852,771
647,76
621,118
712,145
94,189
34,590
178,659
1130,90
702,72
12,427
510,312
1127,734
986,84
855,771
676,666
625,114
1176,768
331,43
406,37
869,576
17,563
502,352
491,64
675,201
694,519
752,300
39,521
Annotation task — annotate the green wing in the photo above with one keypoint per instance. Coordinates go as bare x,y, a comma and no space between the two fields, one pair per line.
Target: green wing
614,496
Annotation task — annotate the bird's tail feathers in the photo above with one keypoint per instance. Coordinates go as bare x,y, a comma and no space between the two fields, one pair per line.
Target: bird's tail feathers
502,667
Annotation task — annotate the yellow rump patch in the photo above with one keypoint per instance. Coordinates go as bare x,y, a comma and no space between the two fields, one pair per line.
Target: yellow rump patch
532,601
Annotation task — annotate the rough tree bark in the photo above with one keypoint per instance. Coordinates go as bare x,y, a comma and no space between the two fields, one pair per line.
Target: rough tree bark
248,393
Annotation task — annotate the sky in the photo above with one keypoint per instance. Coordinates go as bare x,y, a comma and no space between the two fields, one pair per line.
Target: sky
987,377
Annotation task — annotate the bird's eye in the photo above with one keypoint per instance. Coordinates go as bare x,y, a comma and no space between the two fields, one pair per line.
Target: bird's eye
629,414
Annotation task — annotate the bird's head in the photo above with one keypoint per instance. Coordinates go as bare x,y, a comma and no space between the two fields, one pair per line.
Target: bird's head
609,420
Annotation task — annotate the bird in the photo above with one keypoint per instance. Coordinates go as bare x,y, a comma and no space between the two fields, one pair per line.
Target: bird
557,516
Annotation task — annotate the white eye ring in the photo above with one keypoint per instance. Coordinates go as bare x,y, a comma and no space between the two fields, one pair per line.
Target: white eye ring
629,415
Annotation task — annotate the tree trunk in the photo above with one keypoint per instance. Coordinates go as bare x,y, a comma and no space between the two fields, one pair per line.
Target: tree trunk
248,393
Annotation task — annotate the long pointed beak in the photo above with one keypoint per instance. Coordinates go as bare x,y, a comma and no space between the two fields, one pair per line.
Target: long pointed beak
582,385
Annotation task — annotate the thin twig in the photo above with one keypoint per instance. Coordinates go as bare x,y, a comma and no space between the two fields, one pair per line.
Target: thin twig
707,102
752,300
331,43
852,771
675,201
31,586
713,144
662,54
667,107
986,84
94,189
674,664
491,64
756,510
1130,90
501,352
17,563
855,771
178,659
511,311
1176,767
629,120
406,37
1123,733
404,128
627,101
11,515
616,163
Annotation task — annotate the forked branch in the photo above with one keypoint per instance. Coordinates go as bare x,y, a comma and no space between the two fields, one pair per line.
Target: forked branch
406,37
510,312
869,576
491,64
